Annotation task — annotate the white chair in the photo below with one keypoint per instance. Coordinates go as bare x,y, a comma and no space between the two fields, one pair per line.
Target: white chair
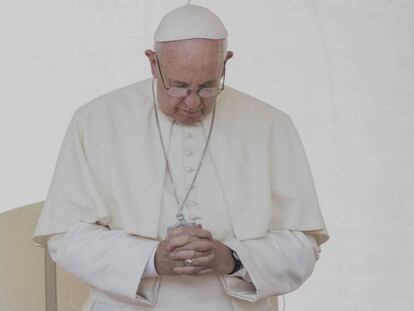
29,279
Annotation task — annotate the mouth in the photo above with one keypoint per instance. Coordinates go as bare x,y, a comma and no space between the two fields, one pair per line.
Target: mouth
189,113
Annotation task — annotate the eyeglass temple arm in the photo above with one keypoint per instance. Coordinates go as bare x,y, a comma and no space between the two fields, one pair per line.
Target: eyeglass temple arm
159,69
224,75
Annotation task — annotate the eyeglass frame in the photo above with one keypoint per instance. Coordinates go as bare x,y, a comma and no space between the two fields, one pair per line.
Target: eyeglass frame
189,91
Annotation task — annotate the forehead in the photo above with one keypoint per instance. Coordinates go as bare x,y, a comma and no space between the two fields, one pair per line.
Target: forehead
191,46
189,57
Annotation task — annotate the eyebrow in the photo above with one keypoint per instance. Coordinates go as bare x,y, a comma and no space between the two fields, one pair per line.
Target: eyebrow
186,84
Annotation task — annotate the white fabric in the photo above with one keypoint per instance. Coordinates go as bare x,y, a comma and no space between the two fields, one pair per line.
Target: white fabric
150,271
111,169
108,260
188,22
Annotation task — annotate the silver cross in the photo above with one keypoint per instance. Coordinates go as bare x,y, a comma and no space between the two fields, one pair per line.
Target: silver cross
181,222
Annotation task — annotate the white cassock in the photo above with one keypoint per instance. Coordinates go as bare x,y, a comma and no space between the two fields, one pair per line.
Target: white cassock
254,192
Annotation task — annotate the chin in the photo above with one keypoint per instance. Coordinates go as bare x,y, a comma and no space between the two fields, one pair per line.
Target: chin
187,120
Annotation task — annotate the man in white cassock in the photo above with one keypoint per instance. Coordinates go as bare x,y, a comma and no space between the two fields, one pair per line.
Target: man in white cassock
181,193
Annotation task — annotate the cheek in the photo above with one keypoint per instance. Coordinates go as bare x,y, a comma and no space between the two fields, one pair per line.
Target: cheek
209,102
169,104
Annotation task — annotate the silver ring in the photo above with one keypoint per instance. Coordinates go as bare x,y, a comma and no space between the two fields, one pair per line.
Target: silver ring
188,262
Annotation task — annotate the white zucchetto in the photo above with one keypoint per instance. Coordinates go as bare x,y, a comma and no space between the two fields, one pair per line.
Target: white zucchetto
189,22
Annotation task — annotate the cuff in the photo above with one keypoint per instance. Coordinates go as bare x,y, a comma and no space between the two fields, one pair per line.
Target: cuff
242,273
147,289
239,284
150,271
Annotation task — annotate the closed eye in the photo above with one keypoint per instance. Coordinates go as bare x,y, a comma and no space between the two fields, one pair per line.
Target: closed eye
208,84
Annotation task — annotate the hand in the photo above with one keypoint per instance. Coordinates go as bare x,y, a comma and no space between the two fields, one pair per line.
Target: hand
165,264
205,252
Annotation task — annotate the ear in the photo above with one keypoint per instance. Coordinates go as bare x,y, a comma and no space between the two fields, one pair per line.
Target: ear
153,62
229,55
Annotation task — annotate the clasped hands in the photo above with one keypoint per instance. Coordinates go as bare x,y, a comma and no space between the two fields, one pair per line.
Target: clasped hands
197,244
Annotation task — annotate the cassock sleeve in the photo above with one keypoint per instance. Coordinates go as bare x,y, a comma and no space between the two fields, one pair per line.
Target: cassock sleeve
276,264
242,273
111,261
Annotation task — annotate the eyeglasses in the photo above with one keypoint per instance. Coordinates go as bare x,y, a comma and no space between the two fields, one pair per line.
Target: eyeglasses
205,92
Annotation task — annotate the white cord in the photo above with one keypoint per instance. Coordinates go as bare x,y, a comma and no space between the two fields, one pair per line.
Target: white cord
284,303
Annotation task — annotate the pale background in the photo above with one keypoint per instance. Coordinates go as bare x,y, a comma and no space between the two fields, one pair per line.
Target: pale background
342,69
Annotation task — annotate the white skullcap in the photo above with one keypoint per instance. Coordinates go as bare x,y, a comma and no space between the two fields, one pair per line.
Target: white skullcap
188,22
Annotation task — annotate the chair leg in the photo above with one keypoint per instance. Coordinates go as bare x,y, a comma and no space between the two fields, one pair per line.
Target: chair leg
50,283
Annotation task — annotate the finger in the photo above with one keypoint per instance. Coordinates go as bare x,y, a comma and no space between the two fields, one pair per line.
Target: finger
180,230
205,271
194,231
198,245
200,233
207,261
180,241
185,254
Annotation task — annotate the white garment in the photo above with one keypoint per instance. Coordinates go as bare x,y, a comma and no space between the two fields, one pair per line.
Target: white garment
111,169
102,258
184,146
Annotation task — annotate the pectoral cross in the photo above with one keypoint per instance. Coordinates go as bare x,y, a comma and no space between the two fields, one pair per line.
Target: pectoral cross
181,222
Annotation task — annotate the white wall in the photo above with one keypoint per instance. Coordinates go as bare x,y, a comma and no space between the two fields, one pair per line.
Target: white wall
343,70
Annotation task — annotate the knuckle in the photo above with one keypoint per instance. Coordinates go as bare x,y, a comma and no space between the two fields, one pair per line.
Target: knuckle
199,269
193,270
168,246
204,246
205,271
196,262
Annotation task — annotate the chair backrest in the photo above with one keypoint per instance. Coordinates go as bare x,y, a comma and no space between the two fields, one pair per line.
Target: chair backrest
29,279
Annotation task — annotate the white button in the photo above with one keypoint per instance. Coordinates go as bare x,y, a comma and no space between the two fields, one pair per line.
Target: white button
189,169
187,135
189,153
193,203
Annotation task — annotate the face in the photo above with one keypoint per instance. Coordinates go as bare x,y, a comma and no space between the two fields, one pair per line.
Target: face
193,64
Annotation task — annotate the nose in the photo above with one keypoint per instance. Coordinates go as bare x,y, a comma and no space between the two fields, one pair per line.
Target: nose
192,101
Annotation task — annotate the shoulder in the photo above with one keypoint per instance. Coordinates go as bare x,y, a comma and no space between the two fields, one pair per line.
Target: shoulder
248,107
124,101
